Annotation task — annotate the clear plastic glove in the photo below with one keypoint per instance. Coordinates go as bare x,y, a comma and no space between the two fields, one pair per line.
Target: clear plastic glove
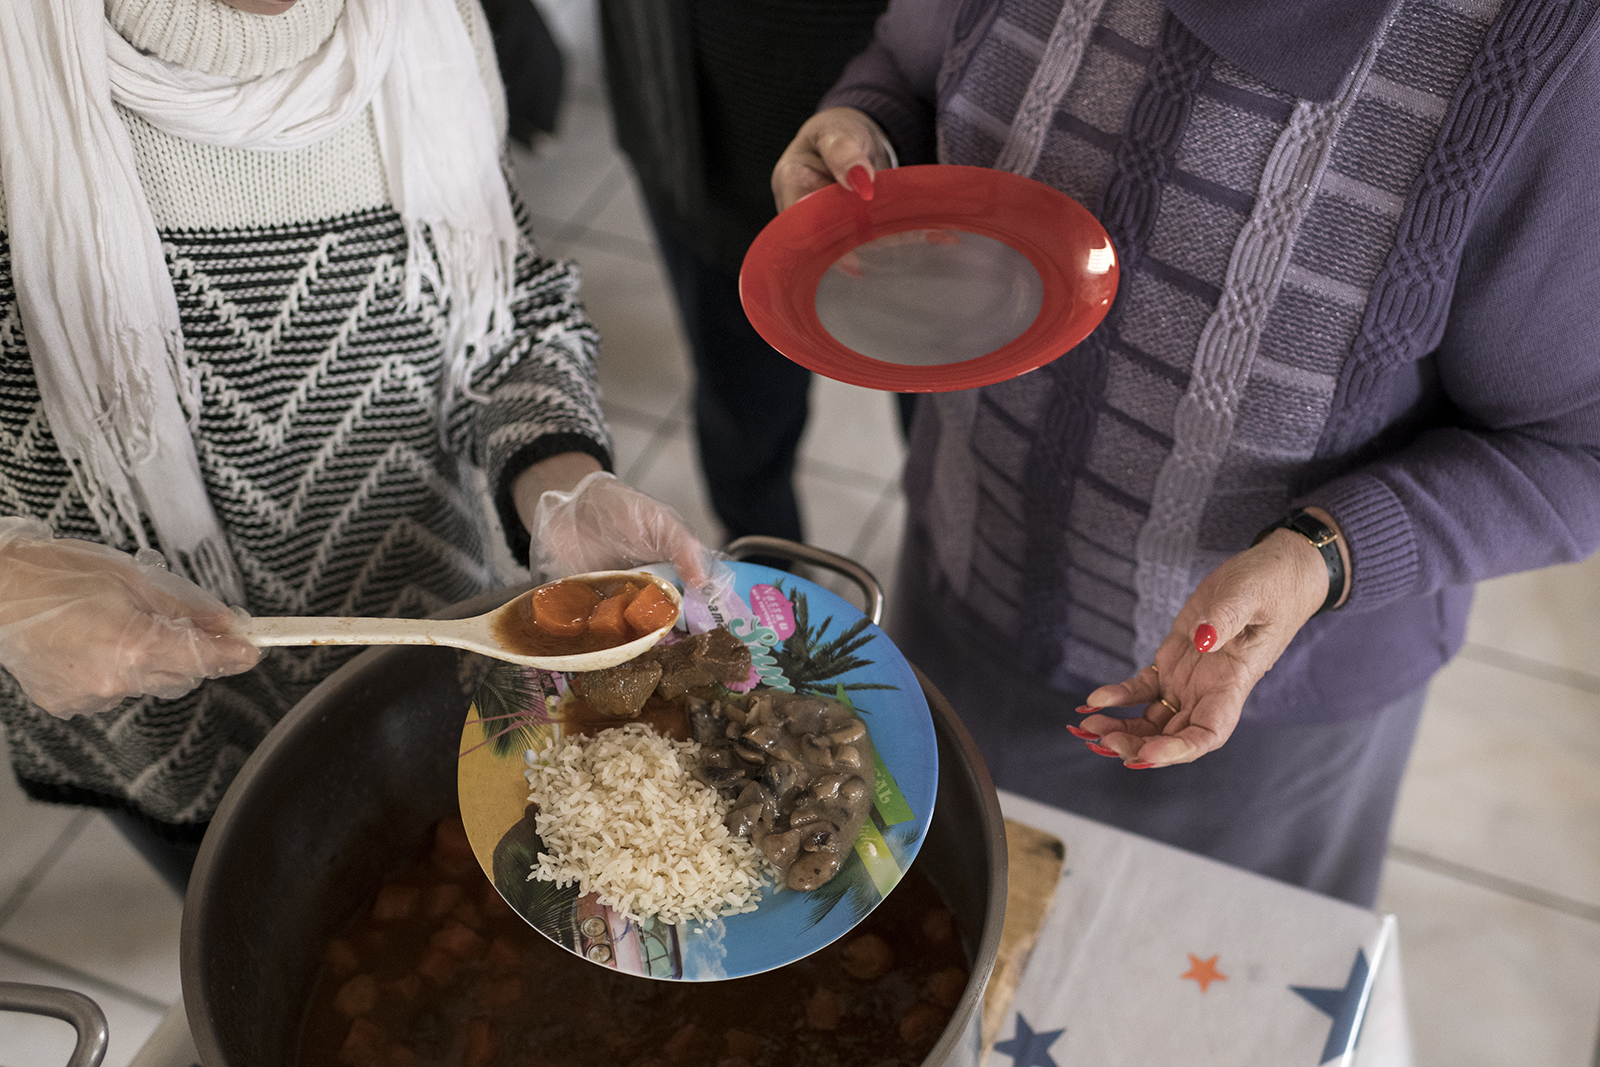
606,524
83,626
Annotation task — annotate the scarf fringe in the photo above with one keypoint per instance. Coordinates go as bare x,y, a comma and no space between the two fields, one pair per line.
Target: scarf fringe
473,277
95,292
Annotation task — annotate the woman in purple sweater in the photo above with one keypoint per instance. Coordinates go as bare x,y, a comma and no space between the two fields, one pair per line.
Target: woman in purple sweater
1351,370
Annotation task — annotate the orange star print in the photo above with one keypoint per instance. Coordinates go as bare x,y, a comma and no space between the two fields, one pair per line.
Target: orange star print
1203,971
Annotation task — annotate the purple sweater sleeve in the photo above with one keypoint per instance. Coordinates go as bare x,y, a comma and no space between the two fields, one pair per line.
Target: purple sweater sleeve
1510,480
894,80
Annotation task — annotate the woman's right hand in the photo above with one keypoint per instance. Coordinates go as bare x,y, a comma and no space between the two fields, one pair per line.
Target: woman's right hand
827,149
83,626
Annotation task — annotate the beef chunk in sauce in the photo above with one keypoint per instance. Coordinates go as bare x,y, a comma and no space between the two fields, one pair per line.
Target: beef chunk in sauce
670,671
702,660
620,691
389,995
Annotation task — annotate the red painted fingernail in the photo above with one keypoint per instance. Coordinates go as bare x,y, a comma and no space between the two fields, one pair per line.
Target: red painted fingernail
1138,766
1205,636
860,181
1101,750
1078,731
1085,709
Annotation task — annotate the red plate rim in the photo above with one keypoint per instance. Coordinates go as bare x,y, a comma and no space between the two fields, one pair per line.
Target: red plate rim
778,280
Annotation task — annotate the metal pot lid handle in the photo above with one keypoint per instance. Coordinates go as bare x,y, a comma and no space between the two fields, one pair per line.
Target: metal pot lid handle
782,548
84,1015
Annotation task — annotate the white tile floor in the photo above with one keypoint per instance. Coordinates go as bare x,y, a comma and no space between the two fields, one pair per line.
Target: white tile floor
1495,868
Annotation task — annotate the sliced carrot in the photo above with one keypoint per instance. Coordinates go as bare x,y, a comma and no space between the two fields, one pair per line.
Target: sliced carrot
504,953
440,898
608,618
563,608
398,1055
357,997
497,991
459,940
395,901
437,965
452,849
342,957
650,610
405,989
481,1047
363,1044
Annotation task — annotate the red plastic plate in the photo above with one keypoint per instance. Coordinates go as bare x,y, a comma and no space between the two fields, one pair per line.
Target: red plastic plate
1065,244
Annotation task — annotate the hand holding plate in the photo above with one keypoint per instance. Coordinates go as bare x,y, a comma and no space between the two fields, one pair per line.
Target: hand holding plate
828,148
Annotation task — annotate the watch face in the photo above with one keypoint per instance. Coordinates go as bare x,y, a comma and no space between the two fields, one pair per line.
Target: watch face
948,278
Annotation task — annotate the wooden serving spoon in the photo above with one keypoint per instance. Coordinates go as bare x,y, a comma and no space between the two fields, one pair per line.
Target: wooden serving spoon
499,633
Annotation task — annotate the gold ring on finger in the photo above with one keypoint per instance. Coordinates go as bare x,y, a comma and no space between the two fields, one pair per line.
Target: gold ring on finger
1170,706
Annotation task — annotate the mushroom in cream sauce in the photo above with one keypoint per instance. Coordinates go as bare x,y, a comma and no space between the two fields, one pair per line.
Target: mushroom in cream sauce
797,772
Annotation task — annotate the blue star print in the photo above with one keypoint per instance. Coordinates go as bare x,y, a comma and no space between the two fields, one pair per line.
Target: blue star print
1029,1049
1343,1005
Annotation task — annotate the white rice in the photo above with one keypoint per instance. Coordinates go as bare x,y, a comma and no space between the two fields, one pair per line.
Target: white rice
621,815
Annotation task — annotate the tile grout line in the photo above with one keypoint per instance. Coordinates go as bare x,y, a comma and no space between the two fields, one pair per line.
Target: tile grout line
605,189
845,476
641,467
1484,880
614,243
636,419
873,527
31,880
1530,667
103,985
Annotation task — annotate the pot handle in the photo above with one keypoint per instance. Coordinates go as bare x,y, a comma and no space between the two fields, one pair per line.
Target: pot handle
782,548
84,1015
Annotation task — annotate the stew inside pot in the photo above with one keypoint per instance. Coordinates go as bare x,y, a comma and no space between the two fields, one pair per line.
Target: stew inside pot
438,970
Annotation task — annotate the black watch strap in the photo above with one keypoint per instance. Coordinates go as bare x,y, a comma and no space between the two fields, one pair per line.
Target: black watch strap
1325,541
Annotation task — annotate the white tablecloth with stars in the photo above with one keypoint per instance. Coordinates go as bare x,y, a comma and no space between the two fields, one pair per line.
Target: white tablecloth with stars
1155,957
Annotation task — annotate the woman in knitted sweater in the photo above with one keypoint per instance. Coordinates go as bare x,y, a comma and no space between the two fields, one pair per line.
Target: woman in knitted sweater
1358,254
264,304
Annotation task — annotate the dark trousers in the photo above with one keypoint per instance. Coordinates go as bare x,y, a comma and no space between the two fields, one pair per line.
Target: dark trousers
750,402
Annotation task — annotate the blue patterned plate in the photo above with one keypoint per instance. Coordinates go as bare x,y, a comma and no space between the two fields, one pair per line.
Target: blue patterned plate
802,638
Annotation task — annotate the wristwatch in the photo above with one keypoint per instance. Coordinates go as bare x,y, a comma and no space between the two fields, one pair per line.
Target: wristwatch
1324,540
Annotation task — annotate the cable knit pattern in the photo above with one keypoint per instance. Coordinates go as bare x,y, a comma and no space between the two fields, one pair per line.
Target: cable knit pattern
213,38
320,442
1062,55
1203,425
1128,210
1412,296
1108,483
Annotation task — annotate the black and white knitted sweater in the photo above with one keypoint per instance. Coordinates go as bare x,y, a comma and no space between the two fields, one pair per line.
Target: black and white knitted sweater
342,486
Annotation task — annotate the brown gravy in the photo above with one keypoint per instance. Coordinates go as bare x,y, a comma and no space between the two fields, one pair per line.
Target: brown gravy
518,630
438,971
669,718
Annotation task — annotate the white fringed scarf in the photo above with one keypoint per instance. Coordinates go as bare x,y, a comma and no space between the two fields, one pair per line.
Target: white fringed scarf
96,299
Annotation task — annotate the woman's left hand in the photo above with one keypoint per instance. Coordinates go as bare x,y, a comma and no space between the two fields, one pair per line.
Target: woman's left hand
1229,633
583,519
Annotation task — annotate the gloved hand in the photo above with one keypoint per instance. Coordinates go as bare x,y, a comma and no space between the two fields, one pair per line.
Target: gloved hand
606,524
83,626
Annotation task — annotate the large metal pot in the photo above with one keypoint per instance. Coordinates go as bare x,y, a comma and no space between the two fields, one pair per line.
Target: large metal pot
352,779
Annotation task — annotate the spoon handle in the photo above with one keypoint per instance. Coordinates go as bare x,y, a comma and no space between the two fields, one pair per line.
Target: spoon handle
332,630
